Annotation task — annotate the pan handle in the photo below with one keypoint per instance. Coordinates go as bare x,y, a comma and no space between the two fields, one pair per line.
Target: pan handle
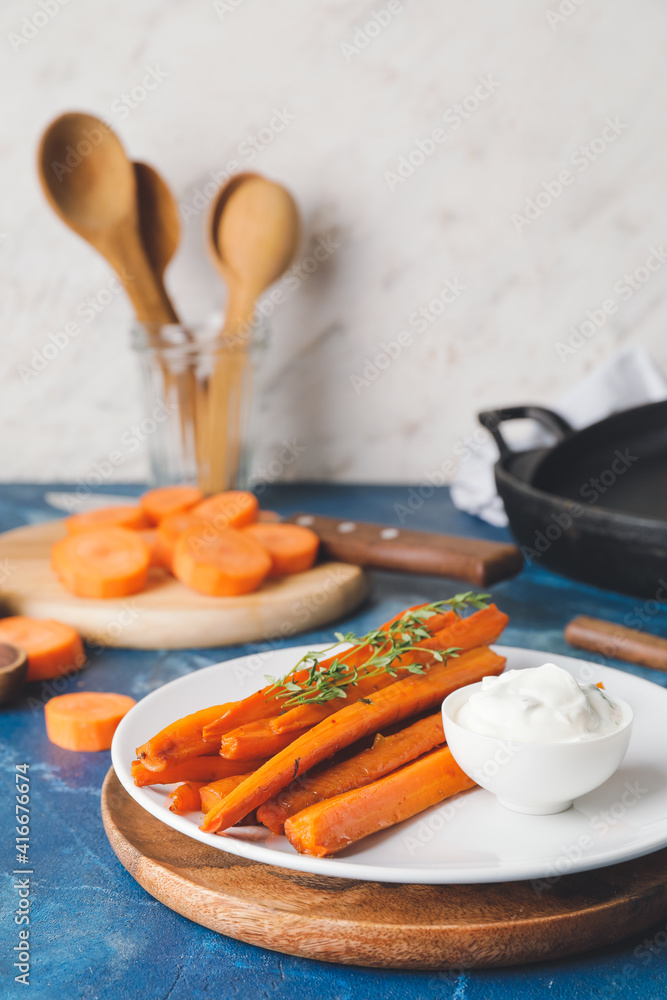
492,419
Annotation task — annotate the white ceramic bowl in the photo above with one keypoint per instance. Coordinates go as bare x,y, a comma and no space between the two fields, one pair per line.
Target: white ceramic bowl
537,778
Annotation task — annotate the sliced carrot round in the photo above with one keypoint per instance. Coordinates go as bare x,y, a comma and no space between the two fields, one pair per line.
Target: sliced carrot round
85,720
110,562
149,535
168,531
292,547
221,563
123,516
232,509
167,500
53,648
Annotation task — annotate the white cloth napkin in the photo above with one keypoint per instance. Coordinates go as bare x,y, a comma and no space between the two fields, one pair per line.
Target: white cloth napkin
629,378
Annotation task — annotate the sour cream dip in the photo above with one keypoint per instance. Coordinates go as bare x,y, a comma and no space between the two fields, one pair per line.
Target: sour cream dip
539,705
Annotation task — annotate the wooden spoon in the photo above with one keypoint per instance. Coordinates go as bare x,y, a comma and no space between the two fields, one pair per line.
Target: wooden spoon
253,234
159,224
91,184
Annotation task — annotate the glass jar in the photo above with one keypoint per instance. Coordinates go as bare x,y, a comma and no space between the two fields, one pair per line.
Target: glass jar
198,394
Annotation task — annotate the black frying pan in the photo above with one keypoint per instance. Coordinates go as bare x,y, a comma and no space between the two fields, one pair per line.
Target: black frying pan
593,506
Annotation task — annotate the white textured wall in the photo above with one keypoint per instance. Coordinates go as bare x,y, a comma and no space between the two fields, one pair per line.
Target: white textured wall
353,113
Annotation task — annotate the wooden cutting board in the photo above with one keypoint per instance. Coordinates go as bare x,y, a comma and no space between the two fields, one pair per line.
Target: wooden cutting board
168,615
381,924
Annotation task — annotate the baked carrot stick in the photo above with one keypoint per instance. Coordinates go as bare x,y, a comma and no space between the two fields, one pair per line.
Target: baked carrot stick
328,827
186,797
259,706
197,769
215,791
180,740
400,700
479,629
386,754
255,739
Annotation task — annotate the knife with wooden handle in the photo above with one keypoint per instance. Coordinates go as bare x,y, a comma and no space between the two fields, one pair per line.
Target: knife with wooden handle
617,641
474,560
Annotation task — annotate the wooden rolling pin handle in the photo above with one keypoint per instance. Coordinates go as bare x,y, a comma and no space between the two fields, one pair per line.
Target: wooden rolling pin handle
13,671
474,560
618,642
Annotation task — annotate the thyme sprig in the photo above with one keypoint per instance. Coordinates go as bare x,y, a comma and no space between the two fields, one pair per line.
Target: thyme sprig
386,646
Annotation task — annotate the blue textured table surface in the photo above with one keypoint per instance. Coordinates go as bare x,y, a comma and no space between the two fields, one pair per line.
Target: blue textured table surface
95,933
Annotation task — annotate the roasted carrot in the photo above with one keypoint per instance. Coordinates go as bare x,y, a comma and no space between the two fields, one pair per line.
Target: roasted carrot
85,720
220,562
413,694
123,516
198,769
293,548
255,739
53,648
168,531
479,629
180,740
386,754
328,827
109,562
260,706
186,797
214,792
167,500
232,509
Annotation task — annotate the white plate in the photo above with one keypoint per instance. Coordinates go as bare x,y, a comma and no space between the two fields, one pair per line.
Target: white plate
469,838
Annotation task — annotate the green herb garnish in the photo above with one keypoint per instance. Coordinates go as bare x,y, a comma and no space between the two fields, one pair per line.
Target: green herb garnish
322,684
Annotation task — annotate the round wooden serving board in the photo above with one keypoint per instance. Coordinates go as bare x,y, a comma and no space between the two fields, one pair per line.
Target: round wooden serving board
381,924
168,615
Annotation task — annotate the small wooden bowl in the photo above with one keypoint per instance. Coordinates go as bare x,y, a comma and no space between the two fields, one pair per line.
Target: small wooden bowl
13,671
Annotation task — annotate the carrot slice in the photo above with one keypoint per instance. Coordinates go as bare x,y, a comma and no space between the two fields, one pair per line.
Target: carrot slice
180,740
186,797
53,648
260,706
232,509
149,535
479,629
255,739
167,500
386,754
220,562
168,531
213,793
293,548
198,769
332,825
85,720
124,516
110,562
400,700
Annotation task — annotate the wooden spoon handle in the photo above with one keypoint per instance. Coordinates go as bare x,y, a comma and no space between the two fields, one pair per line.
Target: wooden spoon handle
617,641
472,559
125,252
